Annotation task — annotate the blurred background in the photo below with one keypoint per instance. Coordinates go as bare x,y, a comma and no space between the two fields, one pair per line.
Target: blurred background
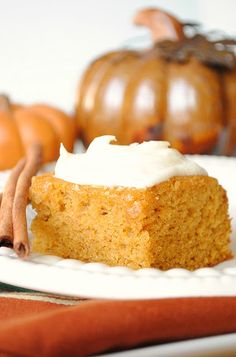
46,44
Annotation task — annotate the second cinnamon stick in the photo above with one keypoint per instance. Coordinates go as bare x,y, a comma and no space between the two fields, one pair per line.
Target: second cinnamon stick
6,225
33,162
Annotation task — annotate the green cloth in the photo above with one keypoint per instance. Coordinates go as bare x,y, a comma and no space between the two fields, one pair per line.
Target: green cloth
12,288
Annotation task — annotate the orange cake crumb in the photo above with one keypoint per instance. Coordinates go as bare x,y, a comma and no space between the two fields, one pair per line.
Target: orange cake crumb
180,223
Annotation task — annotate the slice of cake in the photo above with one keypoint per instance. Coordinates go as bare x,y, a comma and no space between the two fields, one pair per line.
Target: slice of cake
142,205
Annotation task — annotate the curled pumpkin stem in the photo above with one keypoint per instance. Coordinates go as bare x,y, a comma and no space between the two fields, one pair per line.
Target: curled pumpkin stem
5,104
162,25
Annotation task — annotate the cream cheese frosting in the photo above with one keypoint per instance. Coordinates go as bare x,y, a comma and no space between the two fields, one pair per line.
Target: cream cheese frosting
136,165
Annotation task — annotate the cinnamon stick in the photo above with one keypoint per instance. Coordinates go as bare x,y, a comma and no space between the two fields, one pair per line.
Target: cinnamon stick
33,162
6,225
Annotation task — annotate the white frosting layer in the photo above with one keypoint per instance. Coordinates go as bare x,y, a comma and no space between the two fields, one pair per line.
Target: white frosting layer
136,165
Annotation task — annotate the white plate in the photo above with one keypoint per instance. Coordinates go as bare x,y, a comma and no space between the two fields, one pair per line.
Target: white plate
94,280
214,346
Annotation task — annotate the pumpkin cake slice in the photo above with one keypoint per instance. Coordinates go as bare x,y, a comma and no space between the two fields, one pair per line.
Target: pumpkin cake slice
142,205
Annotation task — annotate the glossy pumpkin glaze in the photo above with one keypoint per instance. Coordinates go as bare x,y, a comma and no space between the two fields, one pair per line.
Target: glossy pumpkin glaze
22,126
137,96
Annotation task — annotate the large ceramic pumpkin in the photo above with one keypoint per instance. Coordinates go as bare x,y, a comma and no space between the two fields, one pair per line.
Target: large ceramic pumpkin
182,90
21,126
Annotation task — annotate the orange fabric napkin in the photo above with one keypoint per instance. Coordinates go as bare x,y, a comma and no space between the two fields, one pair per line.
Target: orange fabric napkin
34,328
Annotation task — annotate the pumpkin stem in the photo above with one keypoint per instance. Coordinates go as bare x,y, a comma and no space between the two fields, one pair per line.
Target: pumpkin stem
5,104
162,25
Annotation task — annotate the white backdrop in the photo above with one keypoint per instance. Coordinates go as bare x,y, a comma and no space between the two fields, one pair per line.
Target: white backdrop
46,44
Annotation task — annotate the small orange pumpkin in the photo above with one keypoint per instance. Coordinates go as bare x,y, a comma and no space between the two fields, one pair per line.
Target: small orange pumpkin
21,126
